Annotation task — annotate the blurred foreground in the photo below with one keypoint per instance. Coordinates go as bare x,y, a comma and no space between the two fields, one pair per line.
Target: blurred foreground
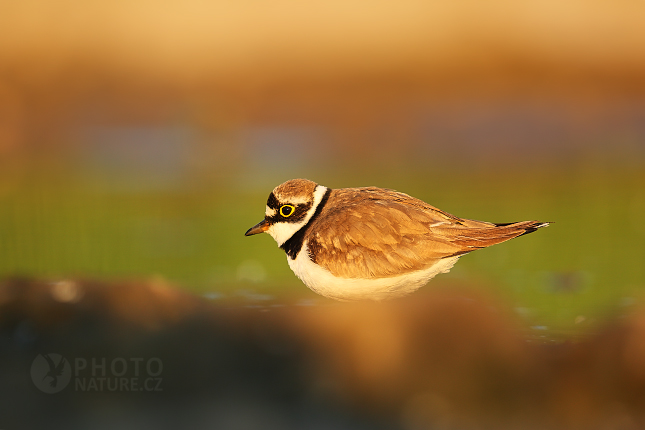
443,358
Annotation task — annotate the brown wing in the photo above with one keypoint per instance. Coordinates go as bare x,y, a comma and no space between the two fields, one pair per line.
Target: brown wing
373,232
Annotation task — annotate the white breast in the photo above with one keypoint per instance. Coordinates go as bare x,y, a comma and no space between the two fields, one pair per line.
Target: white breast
321,281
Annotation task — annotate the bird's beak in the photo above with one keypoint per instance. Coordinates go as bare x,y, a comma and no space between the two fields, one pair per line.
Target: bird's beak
260,227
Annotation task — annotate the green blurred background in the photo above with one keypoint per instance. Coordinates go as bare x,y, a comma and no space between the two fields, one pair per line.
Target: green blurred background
141,140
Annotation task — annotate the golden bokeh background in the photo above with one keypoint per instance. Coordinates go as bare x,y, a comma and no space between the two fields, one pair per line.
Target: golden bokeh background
141,139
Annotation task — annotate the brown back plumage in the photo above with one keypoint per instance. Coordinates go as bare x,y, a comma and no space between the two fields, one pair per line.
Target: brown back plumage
374,232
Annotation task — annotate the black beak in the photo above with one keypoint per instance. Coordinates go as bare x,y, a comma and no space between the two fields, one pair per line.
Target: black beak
260,227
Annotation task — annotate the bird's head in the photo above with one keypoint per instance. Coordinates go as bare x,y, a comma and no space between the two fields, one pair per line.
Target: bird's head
290,206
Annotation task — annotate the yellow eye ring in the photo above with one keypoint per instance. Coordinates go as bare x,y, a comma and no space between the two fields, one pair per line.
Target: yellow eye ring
287,210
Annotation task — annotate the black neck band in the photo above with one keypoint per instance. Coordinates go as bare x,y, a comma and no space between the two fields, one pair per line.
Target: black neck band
294,244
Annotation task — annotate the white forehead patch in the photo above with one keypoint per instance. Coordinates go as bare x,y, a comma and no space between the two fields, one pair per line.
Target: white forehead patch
270,212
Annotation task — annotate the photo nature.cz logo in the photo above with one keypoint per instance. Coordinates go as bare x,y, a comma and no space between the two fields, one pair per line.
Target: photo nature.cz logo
52,373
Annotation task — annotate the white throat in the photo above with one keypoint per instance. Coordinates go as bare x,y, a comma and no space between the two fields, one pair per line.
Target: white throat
282,231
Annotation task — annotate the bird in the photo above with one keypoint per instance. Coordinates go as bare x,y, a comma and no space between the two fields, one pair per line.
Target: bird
55,370
371,243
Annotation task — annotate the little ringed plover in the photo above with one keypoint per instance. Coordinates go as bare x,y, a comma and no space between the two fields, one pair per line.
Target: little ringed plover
371,243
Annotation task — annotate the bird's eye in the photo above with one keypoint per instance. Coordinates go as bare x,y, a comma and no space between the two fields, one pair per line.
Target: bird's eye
286,210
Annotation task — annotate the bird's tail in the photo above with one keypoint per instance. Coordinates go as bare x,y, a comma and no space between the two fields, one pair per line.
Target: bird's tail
478,234
527,226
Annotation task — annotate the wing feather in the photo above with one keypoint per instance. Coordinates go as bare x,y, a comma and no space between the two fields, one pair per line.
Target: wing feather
374,232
